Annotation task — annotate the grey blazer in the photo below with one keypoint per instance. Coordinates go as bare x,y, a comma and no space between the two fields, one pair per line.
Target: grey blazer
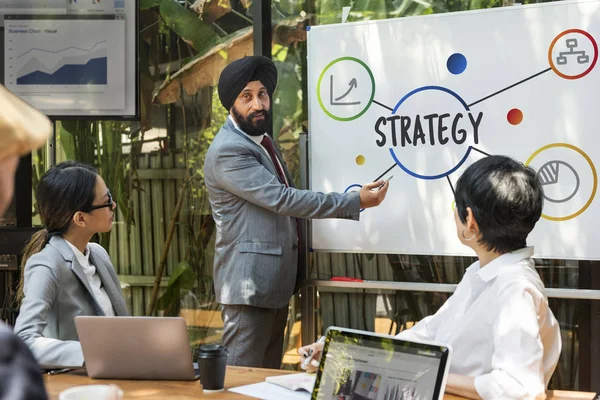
256,248
56,291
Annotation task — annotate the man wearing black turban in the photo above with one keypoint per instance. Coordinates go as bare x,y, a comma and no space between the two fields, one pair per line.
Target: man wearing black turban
236,76
255,207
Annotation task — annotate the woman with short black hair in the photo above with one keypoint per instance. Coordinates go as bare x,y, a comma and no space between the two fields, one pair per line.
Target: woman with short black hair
498,201
505,339
64,275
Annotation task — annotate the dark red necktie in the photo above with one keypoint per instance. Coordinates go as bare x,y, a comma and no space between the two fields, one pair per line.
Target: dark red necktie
268,145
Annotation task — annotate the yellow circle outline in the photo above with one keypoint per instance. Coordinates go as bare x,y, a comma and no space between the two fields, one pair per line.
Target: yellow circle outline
588,159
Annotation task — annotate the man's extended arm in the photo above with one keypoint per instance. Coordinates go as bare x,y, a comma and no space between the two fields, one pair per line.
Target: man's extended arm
237,170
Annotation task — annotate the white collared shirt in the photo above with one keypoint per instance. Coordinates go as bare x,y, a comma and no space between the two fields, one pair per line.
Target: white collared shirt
93,279
258,140
500,328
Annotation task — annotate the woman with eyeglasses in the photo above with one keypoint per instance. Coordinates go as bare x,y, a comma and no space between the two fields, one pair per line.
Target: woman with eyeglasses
63,274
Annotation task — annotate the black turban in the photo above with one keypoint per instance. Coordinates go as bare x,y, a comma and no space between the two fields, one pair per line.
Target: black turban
236,76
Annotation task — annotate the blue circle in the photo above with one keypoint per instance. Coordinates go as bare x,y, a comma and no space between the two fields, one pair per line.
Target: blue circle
457,63
440,88
354,185
395,110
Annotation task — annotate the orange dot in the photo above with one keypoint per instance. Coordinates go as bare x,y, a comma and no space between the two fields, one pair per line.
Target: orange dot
514,116
360,160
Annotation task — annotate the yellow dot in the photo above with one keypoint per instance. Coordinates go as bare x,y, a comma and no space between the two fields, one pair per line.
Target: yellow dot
360,160
453,205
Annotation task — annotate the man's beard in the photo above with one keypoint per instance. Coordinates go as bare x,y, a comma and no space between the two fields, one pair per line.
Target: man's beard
250,126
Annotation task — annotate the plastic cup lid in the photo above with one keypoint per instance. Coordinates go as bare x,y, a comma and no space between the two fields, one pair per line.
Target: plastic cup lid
212,350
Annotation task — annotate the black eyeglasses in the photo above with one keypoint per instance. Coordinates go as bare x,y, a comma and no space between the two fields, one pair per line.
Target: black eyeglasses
109,204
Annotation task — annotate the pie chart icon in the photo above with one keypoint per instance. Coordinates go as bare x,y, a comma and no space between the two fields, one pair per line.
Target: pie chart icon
568,177
560,181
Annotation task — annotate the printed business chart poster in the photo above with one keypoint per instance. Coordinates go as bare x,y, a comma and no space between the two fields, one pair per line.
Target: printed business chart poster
422,98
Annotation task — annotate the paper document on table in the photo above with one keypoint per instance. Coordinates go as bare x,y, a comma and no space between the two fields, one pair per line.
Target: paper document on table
268,391
302,381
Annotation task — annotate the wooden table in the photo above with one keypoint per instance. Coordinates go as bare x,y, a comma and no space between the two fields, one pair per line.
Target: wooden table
162,390
235,376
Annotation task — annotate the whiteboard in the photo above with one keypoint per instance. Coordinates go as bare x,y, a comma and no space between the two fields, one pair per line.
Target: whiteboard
422,98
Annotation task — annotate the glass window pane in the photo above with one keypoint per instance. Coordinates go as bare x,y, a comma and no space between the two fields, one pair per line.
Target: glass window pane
163,224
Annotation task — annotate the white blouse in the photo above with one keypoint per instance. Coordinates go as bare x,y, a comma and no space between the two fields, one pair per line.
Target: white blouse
500,328
93,279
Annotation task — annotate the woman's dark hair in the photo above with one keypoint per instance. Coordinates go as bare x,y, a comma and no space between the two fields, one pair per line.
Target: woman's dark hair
506,198
65,189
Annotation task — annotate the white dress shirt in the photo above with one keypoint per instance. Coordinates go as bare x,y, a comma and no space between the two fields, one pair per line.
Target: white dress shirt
500,328
258,140
93,279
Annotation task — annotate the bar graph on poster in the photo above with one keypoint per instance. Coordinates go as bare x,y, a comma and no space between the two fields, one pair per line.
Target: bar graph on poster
66,63
422,98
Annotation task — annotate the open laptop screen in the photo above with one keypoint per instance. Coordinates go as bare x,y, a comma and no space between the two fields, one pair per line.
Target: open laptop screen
359,365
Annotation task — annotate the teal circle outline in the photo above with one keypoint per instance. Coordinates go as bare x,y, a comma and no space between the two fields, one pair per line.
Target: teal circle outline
364,65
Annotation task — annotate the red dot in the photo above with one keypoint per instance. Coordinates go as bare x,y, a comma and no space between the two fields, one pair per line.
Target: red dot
514,116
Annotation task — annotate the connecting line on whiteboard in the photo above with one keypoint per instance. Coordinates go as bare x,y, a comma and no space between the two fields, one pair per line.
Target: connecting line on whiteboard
383,105
450,183
481,151
386,171
509,87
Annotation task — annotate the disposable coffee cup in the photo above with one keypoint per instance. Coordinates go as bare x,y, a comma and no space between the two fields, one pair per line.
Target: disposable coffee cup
212,362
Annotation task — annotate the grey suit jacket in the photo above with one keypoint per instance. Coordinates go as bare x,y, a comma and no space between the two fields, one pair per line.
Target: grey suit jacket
56,291
256,249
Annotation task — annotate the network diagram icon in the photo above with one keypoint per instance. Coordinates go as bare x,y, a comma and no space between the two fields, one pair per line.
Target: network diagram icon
567,173
571,44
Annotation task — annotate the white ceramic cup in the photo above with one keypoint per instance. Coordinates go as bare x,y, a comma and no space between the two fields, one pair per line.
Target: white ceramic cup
92,392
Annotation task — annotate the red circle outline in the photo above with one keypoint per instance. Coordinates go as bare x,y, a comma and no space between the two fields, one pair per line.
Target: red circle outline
584,73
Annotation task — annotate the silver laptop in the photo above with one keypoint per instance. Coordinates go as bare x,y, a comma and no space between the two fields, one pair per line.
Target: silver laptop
363,365
154,348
